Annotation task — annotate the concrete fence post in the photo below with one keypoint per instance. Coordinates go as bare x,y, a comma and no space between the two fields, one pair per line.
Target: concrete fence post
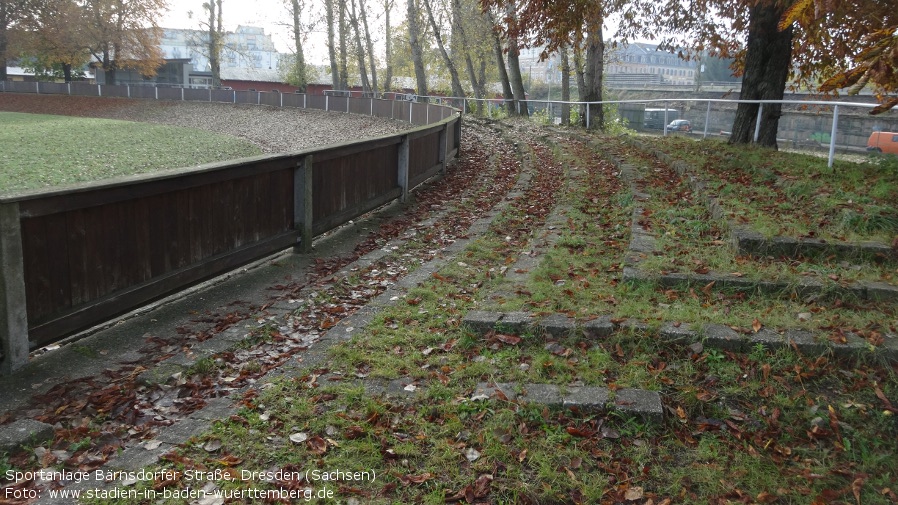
99,90
444,138
13,314
182,94
403,168
302,204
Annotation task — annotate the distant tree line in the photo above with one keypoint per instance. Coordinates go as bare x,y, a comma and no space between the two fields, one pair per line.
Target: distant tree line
465,47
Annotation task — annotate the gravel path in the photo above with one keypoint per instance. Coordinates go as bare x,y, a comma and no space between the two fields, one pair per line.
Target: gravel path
272,129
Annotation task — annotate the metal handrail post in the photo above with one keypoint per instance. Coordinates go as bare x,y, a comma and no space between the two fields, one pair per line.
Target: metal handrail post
665,119
707,119
758,122
832,136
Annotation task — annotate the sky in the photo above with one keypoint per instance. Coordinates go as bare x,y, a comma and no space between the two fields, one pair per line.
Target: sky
273,16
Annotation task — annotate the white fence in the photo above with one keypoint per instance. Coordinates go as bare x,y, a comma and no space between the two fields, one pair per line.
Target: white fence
808,125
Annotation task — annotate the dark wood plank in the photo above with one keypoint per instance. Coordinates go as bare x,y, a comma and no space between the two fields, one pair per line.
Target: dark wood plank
121,302
36,262
52,202
58,249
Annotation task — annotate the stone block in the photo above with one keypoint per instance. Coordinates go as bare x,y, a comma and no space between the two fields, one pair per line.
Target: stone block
719,336
635,275
768,338
640,403
516,322
489,391
598,328
642,243
749,242
558,326
889,347
806,342
678,334
854,347
404,387
23,432
542,394
881,292
481,322
586,399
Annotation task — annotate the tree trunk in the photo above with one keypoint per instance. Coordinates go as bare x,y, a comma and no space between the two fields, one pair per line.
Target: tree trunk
302,80
344,71
457,90
516,79
108,68
767,59
388,78
3,48
215,41
461,41
67,72
578,71
595,54
369,45
359,52
565,87
417,53
507,93
331,43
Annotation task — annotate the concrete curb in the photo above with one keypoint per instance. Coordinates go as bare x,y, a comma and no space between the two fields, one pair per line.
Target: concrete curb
711,335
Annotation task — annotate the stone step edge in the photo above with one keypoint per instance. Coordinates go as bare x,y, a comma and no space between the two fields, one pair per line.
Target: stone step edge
711,335
628,402
874,291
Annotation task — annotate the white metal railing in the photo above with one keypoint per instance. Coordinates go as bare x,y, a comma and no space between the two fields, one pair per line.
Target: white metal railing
489,105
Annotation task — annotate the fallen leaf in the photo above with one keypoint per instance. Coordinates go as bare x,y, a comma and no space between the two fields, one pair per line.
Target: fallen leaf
317,445
407,480
298,438
634,493
756,325
508,339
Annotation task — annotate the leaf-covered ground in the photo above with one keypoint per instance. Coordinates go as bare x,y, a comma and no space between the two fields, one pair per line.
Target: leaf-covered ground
757,427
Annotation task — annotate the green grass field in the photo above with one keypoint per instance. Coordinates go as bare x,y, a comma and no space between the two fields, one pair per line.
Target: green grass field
40,151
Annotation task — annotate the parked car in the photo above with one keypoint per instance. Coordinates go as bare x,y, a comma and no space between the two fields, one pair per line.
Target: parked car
680,125
883,142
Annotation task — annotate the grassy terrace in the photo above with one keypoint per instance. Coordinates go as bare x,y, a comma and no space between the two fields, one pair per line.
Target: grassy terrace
72,150
781,193
761,427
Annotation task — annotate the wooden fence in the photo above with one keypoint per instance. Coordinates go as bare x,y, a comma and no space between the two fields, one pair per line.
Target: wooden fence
74,257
